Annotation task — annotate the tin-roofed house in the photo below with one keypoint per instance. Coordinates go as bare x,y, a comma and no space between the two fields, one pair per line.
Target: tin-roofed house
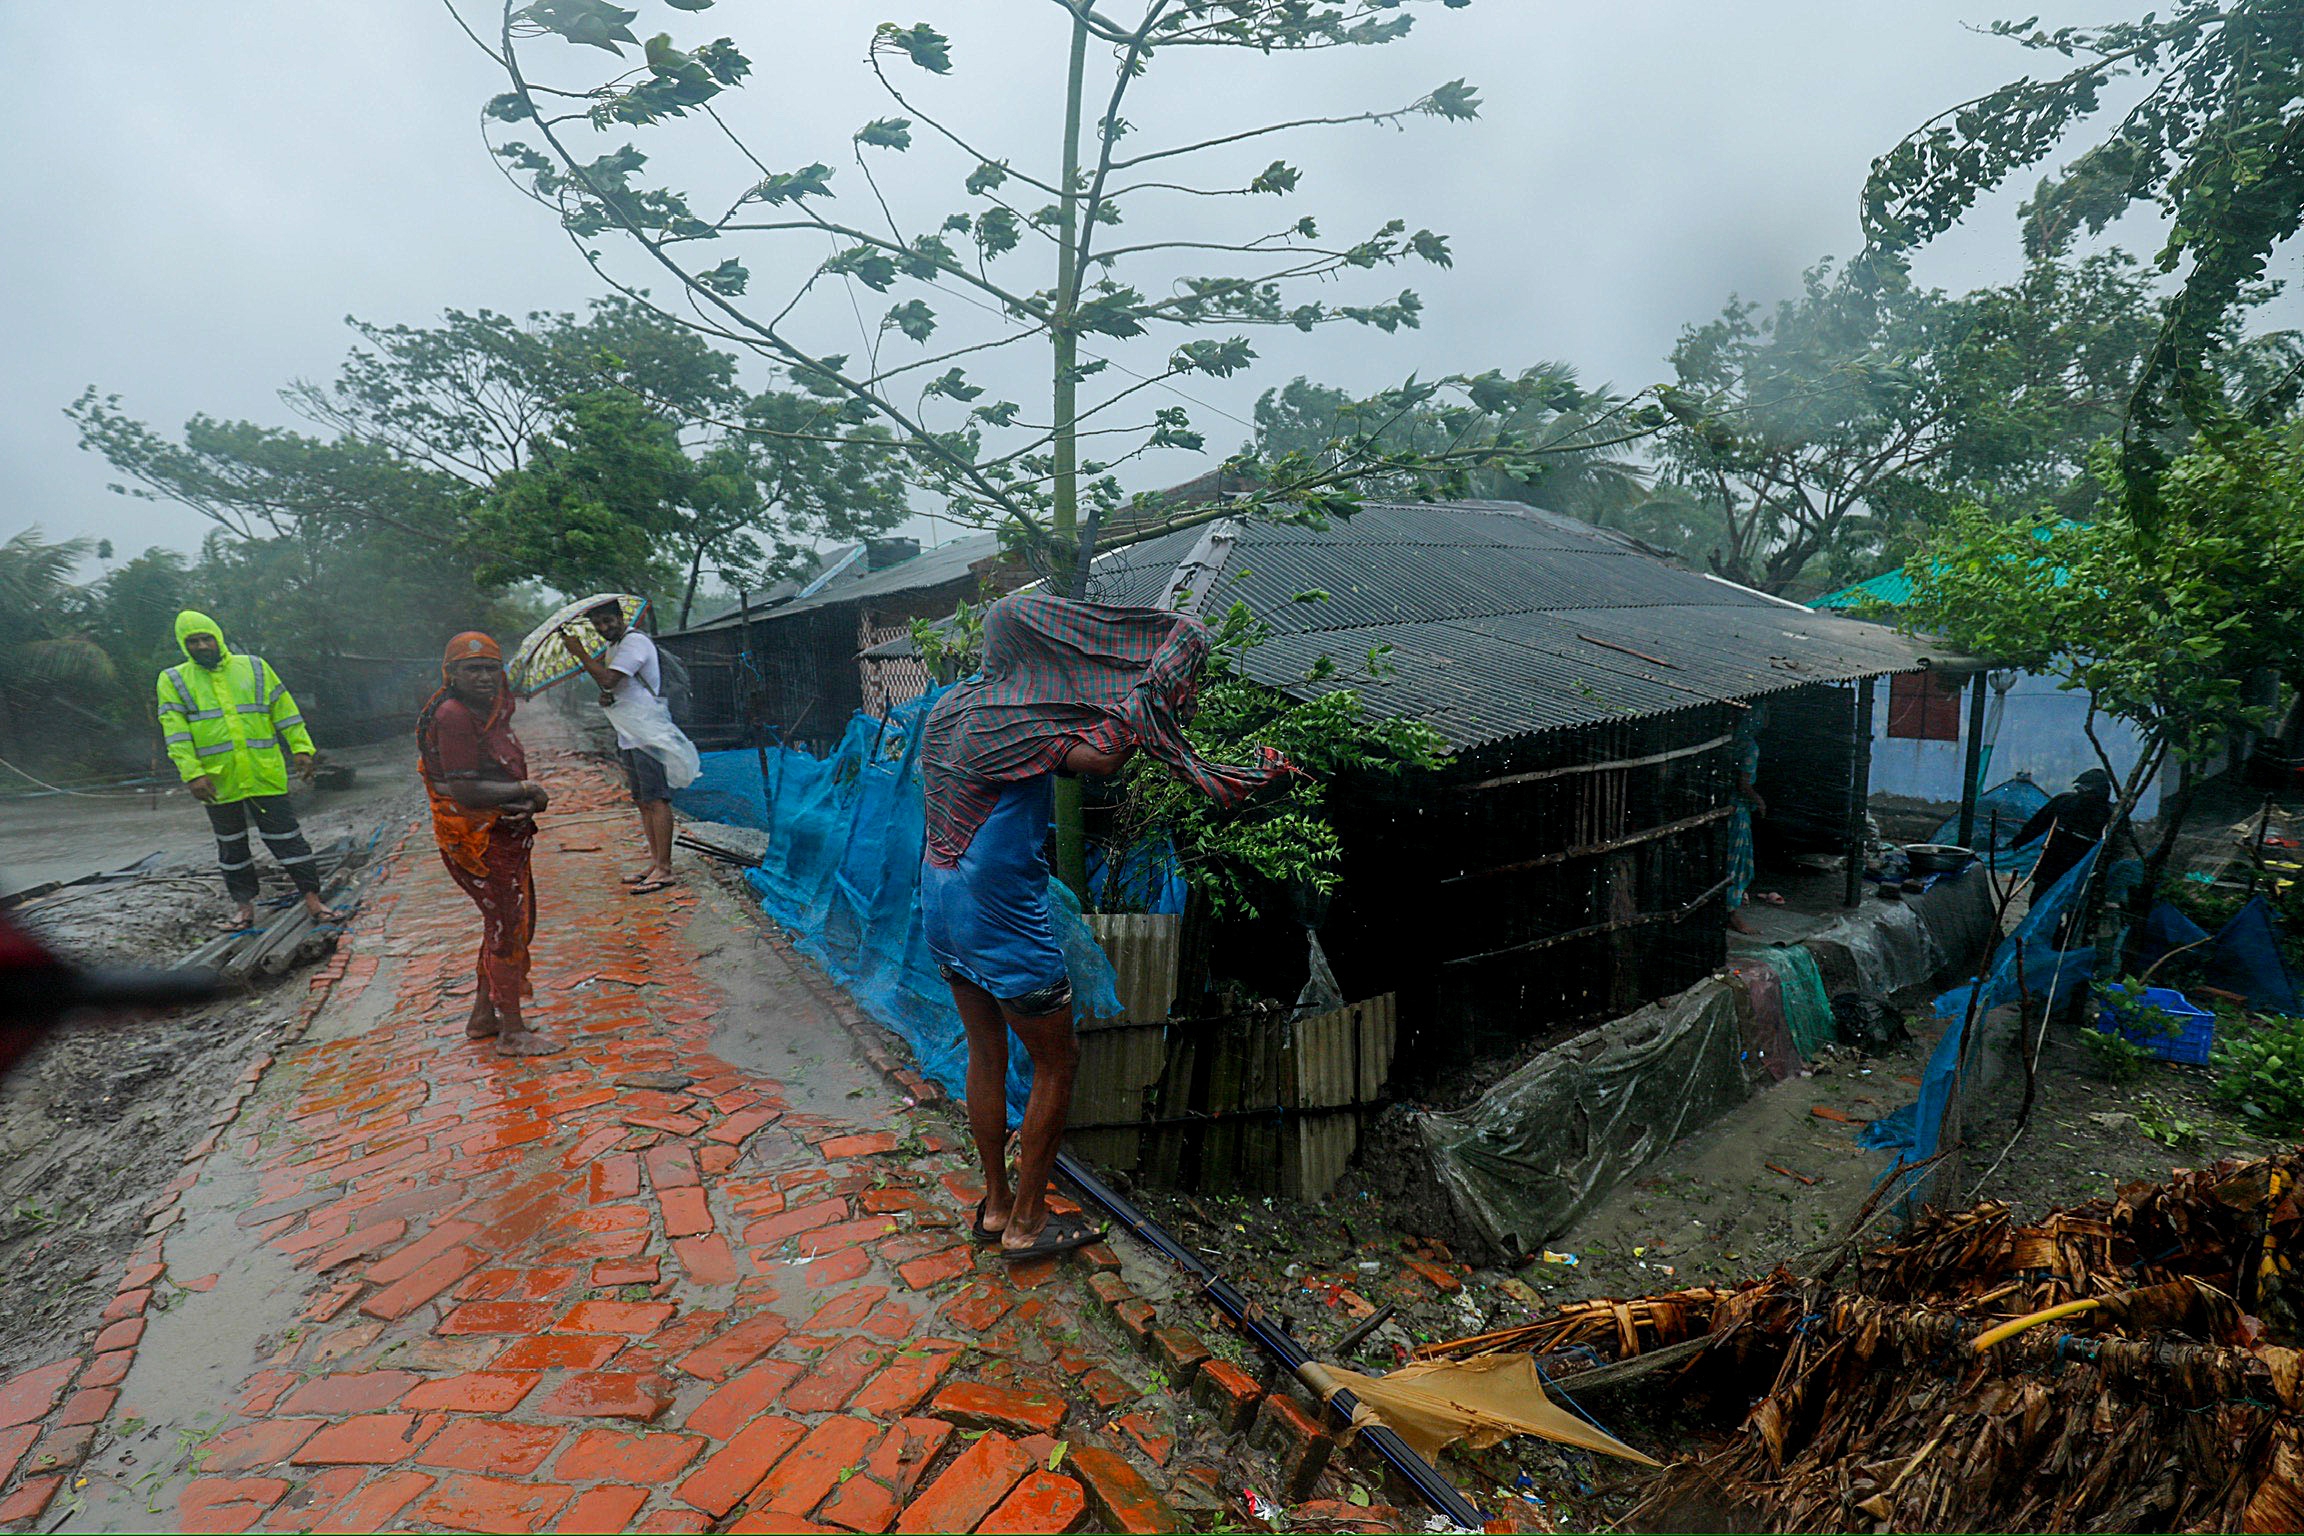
1571,863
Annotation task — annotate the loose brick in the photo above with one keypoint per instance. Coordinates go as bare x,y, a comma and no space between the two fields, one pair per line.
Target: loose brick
607,1508
89,1405
977,1405
227,1503
1118,1496
30,1498
474,1391
558,1352
969,1489
707,1259
264,1443
128,1304
640,1397
489,1445
376,1503
743,1399
1136,1319
838,1268
860,1504
407,1260
1180,1352
870,1144
1227,1392
349,1392
836,1376
61,1449
627,1317
469,1503
1107,1389
608,1455
614,1177
978,1307
1044,1501
1155,1442
109,1370
499,1317
611,1272
899,1386
735,1470
670,1167
812,1469
13,1444
791,1223
907,1451
921,1274
736,1348
371,1438
123,1334
1294,1441
733,1130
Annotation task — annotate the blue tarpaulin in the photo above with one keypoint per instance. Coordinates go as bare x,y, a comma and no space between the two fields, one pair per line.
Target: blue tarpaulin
841,873
2245,956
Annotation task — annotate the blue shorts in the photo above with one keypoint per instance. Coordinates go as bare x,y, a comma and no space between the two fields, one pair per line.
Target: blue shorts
986,919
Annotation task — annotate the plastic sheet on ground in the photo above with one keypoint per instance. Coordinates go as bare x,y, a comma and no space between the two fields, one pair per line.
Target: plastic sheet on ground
1807,1011
2244,957
1481,1401
1890,945
1767,1038
1544,1145
842,872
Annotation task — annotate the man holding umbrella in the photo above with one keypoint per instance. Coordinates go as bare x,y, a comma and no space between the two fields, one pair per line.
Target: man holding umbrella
631,662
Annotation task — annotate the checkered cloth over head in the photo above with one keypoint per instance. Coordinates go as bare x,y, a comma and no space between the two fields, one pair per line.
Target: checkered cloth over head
1057,672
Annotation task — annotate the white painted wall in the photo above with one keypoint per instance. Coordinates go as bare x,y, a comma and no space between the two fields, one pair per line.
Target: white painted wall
2040,731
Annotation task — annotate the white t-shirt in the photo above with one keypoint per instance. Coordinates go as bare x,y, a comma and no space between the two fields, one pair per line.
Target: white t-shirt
635,657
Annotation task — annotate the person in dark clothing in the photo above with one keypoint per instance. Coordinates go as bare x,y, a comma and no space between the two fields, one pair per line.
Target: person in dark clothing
2073,823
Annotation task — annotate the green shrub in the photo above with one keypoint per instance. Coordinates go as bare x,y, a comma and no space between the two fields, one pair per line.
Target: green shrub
2260,1071
2113,1059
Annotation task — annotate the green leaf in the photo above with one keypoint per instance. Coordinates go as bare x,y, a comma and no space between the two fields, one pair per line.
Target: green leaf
507,108
593,23
997,231
727,279
875,269
1001,413
1220,359
986,177
922,44
1056,1454
886,133
1115,312
1433,248
914,318
1455,101
689,5
791,186
1278,178
954,384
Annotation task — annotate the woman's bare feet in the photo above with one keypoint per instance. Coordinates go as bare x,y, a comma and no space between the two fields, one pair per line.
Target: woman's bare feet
483,1022
1741,923
526,1042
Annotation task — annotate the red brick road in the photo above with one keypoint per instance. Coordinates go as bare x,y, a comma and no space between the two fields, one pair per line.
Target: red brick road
629,1286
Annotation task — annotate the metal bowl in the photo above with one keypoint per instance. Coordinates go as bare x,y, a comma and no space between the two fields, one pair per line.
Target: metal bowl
1938,858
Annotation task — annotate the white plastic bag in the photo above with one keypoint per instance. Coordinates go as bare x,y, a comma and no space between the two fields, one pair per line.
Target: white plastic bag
640,717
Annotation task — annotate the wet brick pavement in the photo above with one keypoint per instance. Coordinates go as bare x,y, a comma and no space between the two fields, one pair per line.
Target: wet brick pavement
628,1286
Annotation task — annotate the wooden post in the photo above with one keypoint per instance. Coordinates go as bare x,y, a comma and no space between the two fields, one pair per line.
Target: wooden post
1973,768
1859,793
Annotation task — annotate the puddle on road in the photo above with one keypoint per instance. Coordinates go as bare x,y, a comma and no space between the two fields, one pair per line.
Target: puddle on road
193,1358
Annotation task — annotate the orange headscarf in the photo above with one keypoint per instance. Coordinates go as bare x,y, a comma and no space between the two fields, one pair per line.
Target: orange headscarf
461,830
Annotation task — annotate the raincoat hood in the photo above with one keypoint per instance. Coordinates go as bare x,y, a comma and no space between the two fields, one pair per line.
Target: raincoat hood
192,622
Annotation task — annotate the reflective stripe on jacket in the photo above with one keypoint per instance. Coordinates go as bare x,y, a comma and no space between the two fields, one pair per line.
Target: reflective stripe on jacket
232,722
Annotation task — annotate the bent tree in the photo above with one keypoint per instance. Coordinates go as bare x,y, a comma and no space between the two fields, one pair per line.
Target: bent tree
1120,264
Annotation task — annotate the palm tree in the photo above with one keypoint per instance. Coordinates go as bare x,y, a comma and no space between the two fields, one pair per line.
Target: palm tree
51,659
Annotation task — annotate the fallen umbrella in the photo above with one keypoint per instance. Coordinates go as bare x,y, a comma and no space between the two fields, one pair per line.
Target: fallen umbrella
1275,1341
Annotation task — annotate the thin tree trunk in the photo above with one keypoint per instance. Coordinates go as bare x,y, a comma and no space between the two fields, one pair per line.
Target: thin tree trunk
1064,510
2172,816
688,599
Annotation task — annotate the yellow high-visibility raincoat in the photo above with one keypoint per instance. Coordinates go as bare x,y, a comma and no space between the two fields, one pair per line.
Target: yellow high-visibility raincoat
230,722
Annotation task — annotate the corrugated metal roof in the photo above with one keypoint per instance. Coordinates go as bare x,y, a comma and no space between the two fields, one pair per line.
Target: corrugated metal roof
930,568
1505,620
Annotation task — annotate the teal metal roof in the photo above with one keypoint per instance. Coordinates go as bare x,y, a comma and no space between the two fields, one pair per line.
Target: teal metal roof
1892,588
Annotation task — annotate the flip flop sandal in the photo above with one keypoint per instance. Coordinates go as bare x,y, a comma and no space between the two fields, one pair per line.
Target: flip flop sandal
621,880
981,1232
1061,1234
649,887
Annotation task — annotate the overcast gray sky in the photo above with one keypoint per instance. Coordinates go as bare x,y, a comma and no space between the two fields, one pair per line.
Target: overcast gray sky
204,191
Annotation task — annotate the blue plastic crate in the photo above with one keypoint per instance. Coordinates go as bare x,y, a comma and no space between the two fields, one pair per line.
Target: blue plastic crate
2189,1045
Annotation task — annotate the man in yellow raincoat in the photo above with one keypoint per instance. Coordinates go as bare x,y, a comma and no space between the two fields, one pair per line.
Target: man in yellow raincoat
230,726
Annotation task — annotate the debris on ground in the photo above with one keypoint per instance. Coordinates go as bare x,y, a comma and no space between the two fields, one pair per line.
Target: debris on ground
2129,1364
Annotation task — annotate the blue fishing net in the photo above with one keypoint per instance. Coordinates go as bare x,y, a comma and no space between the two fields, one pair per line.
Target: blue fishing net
842,872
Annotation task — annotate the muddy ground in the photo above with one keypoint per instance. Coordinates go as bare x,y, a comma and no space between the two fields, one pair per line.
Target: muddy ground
97,1121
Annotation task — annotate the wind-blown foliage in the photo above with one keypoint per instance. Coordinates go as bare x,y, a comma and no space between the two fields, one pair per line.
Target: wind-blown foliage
2213,144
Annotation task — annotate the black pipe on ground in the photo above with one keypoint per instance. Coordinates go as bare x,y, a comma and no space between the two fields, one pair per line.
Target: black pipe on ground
1274,1340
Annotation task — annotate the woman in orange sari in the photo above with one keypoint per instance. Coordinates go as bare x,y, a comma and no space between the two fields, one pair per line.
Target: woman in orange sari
483,815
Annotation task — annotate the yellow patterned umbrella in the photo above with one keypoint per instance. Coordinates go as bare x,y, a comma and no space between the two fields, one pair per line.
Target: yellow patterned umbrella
542,660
